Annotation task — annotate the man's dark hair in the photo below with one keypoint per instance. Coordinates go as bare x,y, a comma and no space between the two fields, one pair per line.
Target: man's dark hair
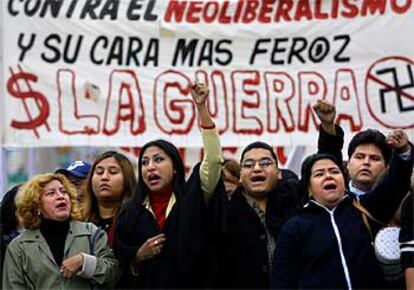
260,145
370,136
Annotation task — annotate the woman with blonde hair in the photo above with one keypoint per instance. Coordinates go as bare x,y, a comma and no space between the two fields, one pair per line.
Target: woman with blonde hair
56,250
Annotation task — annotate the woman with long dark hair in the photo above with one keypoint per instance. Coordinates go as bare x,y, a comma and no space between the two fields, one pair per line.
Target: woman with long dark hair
111,182
160,237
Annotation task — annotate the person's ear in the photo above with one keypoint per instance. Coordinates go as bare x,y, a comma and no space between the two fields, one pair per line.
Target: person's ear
279,175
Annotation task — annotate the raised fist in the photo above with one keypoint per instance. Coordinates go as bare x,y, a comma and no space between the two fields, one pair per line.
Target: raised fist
199,92
325,111
398,140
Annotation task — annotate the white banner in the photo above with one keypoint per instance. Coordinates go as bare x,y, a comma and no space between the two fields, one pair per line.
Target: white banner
118,72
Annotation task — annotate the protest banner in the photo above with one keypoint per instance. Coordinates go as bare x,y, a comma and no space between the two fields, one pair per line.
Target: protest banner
119,72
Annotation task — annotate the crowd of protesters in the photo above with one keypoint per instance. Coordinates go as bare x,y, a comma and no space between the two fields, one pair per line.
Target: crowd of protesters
239,225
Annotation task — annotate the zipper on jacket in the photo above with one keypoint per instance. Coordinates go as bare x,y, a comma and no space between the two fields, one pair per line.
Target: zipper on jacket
341,252
338,240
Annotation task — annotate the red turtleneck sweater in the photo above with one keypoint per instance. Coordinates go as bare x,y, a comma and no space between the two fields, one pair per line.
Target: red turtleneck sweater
159,203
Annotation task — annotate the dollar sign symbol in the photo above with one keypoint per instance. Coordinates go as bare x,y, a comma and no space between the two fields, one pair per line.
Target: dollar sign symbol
40,100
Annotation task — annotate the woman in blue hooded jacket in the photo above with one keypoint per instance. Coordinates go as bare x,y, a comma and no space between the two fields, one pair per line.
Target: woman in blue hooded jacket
327,245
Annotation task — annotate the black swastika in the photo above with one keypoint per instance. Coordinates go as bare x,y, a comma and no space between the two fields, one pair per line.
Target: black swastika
398,89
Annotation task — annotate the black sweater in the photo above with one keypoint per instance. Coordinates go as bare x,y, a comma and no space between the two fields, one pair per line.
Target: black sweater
55,233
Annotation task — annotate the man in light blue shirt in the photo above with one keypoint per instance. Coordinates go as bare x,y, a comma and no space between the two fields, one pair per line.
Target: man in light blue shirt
368,152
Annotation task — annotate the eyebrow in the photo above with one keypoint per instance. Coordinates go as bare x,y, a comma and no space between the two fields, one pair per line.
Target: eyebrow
369,154
262,158
325,169
110,166
155,155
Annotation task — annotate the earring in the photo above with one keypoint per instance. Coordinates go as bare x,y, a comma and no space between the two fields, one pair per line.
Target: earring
38,212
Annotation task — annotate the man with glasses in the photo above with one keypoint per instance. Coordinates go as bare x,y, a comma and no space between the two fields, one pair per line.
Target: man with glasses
255,215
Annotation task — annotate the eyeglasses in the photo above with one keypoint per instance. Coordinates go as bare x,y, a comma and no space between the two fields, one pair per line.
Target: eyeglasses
263,163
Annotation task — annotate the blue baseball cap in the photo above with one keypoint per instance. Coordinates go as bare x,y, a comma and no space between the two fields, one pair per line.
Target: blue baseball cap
79,169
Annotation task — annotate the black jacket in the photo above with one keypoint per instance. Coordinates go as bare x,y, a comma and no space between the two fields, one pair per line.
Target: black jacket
182,263
244,261
307,254
407,233
331,144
